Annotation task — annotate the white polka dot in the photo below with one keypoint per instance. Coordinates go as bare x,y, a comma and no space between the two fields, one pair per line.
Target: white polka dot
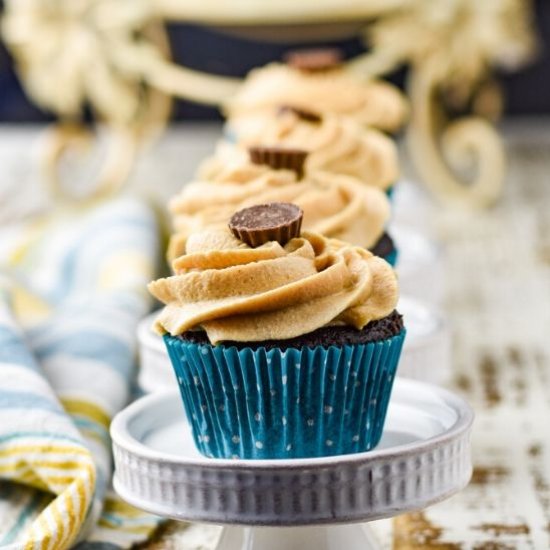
349,363
346,412
194,416
332,377
329,442
283,420
204,438
258,387
345,388
180,379
273,393
196,380
221,408
355,438
268,360
298,366
257,417
373,402
284,379
310,422
236,388
236,439
259,445
298,401
367,425
203,408
288,447
328,409
204,351
354,373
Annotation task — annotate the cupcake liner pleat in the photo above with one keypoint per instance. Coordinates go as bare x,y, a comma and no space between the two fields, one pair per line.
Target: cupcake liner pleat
290,403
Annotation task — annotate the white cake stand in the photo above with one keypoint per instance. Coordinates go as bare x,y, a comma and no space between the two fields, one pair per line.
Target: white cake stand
419,265
426,354
305,504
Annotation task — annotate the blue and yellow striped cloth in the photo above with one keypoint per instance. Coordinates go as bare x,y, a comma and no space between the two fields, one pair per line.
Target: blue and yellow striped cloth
72,290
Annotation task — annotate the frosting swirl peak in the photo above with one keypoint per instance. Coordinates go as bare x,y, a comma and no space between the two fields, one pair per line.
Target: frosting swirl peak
238,293
373,103
335,205
333,144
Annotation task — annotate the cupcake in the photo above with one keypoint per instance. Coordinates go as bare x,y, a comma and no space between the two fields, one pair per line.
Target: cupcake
284,344
316,79
334,144
338,206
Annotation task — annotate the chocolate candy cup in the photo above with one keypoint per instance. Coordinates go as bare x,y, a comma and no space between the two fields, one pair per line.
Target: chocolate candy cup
279,158
303,114
314,59
262,223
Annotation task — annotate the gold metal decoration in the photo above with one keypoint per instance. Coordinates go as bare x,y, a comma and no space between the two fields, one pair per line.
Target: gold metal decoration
112,56
452,46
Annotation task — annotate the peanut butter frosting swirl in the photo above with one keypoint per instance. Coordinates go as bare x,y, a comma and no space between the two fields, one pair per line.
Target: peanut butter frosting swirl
334,145
238,293
373,103
337,206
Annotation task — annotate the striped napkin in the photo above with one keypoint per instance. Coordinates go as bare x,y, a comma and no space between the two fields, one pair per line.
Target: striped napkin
72,290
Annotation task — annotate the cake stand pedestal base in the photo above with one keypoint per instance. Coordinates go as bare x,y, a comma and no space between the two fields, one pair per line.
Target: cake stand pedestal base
320,537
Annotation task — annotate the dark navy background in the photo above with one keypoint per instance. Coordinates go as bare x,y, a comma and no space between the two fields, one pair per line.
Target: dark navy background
527,92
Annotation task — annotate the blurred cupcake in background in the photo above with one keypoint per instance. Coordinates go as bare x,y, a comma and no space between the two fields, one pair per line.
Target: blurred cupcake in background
335,205
284,344
335,144
316,80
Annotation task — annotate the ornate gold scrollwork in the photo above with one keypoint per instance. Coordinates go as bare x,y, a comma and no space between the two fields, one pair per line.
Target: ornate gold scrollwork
454,43
113,56
461,161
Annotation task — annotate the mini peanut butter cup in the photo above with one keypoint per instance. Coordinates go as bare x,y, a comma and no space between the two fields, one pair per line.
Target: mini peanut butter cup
279,158
262,223
314,59
303,114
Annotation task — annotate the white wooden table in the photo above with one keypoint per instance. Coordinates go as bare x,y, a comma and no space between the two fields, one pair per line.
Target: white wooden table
497,267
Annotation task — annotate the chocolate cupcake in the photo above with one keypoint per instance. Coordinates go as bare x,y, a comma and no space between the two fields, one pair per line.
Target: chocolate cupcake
338,206
334,144
318,81
282,350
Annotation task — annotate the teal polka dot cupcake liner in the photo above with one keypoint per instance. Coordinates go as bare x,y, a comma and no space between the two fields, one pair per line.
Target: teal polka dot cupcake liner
296,403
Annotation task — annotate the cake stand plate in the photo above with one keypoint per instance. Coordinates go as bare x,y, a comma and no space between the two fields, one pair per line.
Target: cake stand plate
419,265
424,457
426,354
